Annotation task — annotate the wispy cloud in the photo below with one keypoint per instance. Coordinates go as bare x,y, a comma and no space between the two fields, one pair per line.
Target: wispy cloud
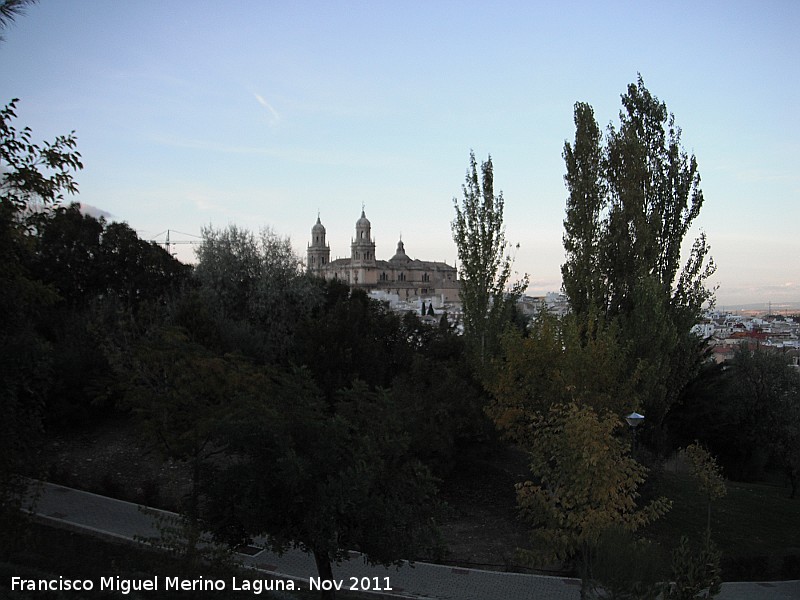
275,117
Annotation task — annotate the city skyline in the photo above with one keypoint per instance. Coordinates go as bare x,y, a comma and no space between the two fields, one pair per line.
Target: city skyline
268,114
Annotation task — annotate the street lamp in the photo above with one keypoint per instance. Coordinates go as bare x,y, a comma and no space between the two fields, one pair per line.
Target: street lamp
634,420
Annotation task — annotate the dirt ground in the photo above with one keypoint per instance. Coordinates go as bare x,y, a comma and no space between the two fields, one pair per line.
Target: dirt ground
479,528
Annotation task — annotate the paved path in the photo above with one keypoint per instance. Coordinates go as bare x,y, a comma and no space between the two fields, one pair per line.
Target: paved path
120,520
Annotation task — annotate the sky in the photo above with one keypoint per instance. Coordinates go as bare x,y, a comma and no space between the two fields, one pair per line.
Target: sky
193,114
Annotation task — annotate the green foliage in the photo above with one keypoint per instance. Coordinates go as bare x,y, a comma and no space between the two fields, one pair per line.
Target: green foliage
747,413
627,568
632,199
767,391
441,400
183,393
78,363
179,390
560,361
560,393
587,483
255,286
68,253
707,474
136,271
35,174
706,471
582,276
29,173
95,268
707,412
695,570
349,336
324,479
485,269
655,196
754,525
25,363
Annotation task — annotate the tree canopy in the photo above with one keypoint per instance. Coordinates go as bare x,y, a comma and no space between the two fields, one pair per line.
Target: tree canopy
485,268
29,173
324,479
633,196
587,484
254,284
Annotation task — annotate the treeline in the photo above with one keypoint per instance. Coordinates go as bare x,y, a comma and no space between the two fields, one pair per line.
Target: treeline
303,408
561,386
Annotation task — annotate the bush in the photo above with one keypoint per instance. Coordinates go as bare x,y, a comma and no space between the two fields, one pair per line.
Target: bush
626,568
696,570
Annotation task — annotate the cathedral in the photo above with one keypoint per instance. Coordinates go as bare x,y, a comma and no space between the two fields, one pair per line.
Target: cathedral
402,276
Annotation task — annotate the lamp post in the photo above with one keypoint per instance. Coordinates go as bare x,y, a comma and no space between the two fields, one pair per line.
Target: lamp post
634,420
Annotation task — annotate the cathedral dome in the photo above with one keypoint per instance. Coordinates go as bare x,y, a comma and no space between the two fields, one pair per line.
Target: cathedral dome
318,227
363,221
400,255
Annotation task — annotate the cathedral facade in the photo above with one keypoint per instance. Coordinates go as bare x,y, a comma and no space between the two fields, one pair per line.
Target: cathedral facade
407,278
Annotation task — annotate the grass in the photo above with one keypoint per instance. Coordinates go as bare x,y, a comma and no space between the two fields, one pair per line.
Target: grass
755,526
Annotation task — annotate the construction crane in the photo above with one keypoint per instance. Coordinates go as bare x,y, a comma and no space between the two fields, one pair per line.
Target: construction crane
167,243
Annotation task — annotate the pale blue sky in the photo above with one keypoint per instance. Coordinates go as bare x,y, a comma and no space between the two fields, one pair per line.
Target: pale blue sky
263,113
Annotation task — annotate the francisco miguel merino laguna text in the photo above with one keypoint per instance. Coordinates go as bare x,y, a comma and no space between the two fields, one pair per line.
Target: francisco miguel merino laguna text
150,584
198,584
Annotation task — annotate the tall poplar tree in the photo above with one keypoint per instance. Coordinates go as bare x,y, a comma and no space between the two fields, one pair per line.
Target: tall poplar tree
633,197
485,269
583,282
654,197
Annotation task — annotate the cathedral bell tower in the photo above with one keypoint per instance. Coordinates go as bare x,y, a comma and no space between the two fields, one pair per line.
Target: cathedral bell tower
318,253
362,254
